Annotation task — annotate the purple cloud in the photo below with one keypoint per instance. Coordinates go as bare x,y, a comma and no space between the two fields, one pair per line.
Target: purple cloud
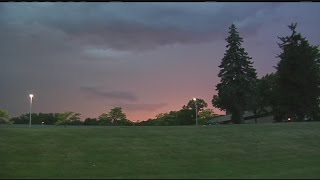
118,95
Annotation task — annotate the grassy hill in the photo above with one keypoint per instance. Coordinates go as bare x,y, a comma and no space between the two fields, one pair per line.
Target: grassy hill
286,150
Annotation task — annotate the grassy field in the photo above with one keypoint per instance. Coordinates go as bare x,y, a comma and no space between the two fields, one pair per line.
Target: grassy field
286,150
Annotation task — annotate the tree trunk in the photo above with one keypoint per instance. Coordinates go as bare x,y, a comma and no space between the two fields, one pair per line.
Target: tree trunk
237,117
255,116
241,118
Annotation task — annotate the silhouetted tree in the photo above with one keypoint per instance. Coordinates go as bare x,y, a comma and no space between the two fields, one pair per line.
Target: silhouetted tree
47,118
298,82
115,117
90,121
201,104
238,79
264,96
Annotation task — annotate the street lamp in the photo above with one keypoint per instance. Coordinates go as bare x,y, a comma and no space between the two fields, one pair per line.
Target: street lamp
31,96
195,102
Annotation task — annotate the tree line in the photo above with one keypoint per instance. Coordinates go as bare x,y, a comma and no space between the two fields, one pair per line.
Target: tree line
116,117
293,91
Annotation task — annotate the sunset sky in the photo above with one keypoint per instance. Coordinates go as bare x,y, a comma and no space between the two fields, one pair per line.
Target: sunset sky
148,58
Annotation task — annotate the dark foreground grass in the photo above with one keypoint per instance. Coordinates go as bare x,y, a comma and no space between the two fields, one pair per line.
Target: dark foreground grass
290,150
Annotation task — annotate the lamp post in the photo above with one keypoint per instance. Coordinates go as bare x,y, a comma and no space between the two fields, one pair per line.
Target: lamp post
31,96
195,102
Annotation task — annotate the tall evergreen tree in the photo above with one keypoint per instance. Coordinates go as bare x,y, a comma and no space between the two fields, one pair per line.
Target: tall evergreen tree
298,82
238,79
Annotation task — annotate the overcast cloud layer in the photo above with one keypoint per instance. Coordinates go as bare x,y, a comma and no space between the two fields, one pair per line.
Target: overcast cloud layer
146,57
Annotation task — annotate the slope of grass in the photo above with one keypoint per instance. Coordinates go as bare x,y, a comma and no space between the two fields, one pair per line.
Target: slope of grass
289,150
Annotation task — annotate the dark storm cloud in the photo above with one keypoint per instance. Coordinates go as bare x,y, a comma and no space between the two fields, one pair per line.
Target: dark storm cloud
136,26
143,107
118,95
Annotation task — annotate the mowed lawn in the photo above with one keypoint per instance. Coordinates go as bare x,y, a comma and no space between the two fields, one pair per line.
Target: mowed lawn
283,150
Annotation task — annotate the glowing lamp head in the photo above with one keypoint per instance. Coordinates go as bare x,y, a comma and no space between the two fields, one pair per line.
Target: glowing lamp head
194,99
31,96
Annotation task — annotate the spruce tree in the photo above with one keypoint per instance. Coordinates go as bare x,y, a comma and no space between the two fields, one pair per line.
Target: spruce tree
238,79
298,82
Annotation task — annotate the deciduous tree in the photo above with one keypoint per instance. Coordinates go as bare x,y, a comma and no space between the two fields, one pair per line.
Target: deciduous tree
201,104
4,117
67,118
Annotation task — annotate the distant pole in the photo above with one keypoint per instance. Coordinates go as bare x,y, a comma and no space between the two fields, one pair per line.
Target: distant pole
31,96
195,102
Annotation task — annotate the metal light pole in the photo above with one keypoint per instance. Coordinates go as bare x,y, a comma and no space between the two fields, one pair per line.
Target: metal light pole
195,102
31,96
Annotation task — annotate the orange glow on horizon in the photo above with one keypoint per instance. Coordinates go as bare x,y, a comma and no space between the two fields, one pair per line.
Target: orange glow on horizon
142,115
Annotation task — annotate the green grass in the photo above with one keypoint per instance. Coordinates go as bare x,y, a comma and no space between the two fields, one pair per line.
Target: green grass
286,150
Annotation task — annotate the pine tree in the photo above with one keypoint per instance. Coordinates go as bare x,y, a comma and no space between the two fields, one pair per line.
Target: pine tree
298,82
238,79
